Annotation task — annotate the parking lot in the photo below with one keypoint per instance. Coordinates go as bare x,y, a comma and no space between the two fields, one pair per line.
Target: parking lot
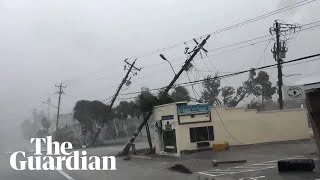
262,170
261,162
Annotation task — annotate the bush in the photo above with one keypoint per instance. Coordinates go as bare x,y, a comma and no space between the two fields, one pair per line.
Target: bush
122,134
64,135
132,129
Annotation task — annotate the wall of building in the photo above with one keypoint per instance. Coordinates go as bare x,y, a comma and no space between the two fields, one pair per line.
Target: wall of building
158,111
240,126
182,130
183,134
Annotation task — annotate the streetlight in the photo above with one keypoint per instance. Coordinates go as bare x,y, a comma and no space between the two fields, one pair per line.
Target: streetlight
164,58
48,108
50,105
290,75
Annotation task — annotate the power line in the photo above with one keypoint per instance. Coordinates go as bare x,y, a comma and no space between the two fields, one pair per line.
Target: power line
225,127
215,49
235,73
60,92
264,51
263,16
245,71
241,47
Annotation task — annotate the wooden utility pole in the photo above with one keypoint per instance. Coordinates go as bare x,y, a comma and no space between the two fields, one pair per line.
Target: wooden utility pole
278,58
59,100
279,52
195,51
35,123
124,81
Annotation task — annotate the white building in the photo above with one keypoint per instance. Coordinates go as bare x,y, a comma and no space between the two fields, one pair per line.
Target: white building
190,126
182,126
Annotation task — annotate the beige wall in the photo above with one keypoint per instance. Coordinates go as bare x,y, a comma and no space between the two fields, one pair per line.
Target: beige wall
251,127
182,130
244,126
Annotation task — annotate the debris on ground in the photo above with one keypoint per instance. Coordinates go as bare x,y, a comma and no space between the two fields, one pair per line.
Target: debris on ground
216,162
221,146
127,158
296,165
180,168
141,157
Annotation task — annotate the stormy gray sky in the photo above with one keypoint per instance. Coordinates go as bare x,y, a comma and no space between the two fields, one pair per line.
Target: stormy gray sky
83,44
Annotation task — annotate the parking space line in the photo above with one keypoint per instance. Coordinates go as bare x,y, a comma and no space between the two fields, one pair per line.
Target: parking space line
241,171
65,175
245,168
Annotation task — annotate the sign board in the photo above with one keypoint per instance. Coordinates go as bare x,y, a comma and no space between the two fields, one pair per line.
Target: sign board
293,93
167,117
84,130
193,109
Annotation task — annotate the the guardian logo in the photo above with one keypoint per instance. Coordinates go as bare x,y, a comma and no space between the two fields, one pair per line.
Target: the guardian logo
60,158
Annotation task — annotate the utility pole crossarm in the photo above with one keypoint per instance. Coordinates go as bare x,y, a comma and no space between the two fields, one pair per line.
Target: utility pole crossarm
279,51
59,100
126,149
124,80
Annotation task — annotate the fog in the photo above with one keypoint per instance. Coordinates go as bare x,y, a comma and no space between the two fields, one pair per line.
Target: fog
82,44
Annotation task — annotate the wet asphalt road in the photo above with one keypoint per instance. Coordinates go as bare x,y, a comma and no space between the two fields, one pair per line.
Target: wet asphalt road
7,173
261,165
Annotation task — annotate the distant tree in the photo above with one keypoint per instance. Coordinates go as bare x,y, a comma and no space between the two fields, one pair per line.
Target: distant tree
211,90
27,129
254,105
227,92
101,114
91,114
123,111
99,111
82,114
45,124
266,90
180,94
164,99
248,87
135,109
147,101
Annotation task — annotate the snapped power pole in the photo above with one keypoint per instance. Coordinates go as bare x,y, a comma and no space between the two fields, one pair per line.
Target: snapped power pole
194,52
126,81
279,51
34,113
60,92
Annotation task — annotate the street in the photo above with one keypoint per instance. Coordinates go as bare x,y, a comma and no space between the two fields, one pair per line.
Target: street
7,173
261,164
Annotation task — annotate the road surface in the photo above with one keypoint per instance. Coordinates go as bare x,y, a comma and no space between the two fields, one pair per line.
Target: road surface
261,165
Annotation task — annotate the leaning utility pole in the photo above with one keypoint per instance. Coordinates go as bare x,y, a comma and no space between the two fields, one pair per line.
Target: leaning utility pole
194,52
59,92
279,52
124,81
35,118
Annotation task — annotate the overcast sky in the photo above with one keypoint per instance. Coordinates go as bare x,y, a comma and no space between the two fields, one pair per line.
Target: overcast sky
83,44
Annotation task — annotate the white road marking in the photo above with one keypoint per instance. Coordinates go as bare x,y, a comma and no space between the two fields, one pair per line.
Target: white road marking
245,168
252,178
218,170
249,170
65,175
